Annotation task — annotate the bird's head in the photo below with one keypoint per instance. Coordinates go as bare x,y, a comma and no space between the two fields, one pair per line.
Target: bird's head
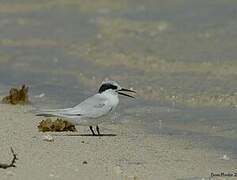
114,87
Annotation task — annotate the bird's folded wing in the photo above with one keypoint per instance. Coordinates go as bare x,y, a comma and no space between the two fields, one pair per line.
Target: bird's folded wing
92,107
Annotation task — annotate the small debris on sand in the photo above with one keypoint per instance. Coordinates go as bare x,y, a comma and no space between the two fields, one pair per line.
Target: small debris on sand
13,161
225,157
58,125
17,96
40,95
48,138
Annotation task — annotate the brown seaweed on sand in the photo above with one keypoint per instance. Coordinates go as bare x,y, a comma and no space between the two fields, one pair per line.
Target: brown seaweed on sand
17,96
58,125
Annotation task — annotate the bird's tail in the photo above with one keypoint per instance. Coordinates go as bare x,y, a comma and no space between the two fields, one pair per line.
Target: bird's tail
46,114
51,112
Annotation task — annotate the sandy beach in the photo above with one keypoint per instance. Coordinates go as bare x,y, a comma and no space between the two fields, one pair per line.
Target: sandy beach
131,154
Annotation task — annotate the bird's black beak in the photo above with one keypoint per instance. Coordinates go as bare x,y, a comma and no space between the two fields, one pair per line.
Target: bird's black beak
126,90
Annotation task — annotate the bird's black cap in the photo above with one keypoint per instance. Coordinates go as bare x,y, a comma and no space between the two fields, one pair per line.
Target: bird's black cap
107,86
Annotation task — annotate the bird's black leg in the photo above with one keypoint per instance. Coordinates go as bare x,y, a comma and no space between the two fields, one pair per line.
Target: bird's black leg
98,130
93,133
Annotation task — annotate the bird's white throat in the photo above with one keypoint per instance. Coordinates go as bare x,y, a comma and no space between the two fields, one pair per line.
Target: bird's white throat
112,97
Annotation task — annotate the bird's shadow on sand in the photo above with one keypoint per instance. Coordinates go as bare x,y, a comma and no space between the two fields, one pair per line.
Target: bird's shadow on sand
101,135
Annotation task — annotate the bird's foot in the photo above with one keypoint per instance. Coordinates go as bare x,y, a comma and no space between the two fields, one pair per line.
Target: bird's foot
93,133
98,131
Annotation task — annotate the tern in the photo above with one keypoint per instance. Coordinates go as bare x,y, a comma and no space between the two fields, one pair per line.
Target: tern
92,110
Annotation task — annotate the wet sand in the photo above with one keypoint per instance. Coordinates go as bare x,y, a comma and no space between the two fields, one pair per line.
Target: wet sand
130,154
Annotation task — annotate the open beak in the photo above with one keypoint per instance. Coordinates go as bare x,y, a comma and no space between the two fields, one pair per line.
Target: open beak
126,90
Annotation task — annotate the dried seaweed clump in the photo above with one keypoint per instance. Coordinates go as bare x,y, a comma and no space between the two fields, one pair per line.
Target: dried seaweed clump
58,125
17,96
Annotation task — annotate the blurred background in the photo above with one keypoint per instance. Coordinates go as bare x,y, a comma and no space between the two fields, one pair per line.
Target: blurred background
179,55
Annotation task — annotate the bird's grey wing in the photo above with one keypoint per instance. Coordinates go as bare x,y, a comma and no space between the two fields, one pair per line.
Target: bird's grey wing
52,112
92,107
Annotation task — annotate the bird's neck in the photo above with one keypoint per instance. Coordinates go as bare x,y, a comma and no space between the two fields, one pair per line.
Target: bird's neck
112,96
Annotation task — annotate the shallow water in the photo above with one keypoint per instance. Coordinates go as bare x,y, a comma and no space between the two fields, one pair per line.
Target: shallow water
179,55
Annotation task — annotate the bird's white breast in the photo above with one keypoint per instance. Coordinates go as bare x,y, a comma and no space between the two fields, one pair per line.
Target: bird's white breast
112,99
